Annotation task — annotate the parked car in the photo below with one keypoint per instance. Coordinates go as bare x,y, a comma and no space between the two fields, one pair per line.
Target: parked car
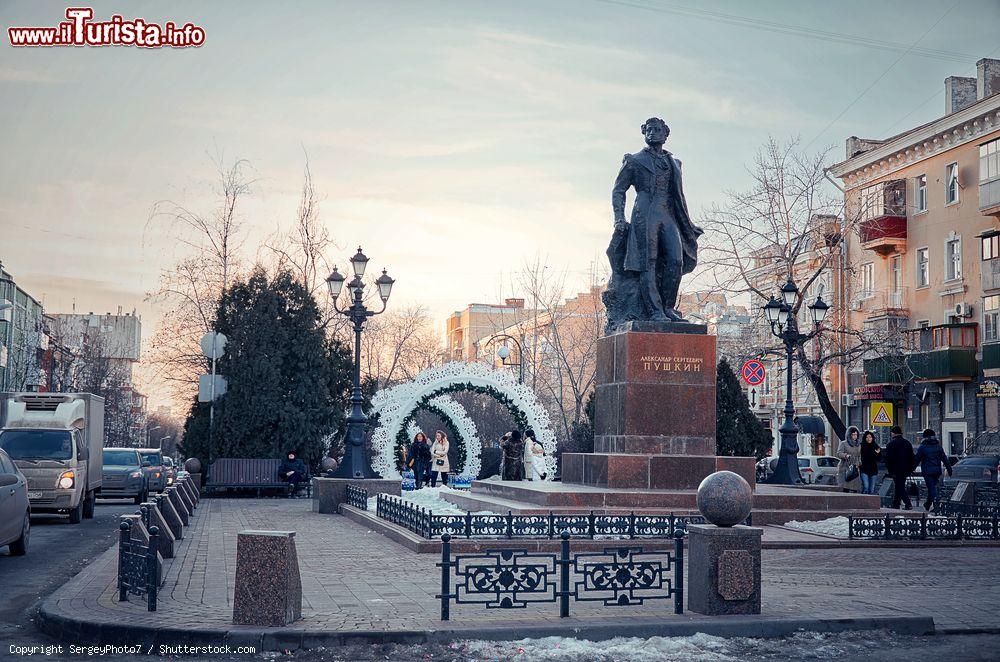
15,520
818,468
170,471
976,469
156,473
123,475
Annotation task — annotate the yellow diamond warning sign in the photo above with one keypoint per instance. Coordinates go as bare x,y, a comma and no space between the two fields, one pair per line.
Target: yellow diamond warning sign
881,414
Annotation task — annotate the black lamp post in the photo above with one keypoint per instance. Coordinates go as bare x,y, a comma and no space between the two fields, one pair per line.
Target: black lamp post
355,464
503,352
784,326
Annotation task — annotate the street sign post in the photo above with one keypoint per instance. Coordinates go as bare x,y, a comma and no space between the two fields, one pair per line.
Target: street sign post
213,346
753,372
881,415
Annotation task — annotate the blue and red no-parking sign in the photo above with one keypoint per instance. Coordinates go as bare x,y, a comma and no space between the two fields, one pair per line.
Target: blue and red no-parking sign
753,372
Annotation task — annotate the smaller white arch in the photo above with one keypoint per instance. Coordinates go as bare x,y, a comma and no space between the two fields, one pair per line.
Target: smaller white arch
455,416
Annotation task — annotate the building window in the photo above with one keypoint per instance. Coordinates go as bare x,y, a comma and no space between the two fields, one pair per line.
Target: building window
925,416
989,174
923,268
951,184
954,398
991,247
991,309
992,413
867,279
953,259
921,193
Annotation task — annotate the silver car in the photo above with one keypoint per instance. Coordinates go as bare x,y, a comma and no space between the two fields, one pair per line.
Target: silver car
15,523
123,475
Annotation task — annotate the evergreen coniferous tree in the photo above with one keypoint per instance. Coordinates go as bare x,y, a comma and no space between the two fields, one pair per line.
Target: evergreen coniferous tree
737,431
288,383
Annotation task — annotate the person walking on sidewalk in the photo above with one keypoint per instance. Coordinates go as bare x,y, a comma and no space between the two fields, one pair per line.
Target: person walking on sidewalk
899,465
849,452
931,458
870,453
440,466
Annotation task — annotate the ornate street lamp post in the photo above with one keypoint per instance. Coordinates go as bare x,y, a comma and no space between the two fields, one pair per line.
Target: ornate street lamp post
503,353
784,326
355,464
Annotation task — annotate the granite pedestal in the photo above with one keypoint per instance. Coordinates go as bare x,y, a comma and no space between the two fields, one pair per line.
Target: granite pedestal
329,493
268,585
654,404
723,569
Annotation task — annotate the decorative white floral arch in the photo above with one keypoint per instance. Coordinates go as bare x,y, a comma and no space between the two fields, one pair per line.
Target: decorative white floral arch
394,406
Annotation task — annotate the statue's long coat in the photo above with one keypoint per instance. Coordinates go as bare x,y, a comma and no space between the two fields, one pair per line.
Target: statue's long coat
639,171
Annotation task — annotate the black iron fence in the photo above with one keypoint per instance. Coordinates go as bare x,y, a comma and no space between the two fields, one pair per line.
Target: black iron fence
357,497
967,509
922,527
138,566
425,523
515,578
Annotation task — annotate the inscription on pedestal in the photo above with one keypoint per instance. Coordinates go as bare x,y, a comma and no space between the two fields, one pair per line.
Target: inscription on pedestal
653,363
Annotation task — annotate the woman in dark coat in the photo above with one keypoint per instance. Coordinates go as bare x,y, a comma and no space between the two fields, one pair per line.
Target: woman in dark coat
513,456
419,460
870,453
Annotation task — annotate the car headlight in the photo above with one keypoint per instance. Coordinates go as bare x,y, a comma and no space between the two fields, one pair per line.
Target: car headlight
66,480
157,474
135,474
170,480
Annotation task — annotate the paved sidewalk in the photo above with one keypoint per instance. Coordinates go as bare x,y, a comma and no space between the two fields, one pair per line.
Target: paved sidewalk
356,581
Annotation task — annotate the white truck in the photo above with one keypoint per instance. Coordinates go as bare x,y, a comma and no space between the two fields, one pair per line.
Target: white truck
55,439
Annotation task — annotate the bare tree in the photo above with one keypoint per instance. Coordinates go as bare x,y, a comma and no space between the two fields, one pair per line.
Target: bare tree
190,290
791,224
398,345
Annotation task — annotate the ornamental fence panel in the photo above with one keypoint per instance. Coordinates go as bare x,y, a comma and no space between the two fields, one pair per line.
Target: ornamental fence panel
425,523
138,566
513,578
357,497
923,527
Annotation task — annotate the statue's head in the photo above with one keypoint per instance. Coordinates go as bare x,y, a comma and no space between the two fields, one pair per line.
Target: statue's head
655,130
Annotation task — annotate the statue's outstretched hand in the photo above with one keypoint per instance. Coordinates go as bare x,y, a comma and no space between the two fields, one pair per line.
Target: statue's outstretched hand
621,226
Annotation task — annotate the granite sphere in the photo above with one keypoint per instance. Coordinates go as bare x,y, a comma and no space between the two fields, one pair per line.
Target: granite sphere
192,465
328,464
725,498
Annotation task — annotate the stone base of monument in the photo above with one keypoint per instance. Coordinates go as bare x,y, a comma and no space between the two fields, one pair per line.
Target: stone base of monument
329,493
268,585
723,569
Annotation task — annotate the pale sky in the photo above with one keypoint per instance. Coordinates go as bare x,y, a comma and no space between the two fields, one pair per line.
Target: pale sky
452,139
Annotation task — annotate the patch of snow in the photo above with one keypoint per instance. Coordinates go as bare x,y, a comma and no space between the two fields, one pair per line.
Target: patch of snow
834,526
431,499
700,647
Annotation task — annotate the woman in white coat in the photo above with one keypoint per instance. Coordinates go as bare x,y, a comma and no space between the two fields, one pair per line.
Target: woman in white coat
439,459
534,457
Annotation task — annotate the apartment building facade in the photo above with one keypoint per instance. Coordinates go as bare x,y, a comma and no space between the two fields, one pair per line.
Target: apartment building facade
927,263
464,329
22,337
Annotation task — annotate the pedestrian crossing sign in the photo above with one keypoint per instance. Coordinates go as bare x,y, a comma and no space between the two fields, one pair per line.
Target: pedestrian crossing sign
881,414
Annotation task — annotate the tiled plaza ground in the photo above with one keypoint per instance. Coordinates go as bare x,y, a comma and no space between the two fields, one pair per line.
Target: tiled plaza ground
354,579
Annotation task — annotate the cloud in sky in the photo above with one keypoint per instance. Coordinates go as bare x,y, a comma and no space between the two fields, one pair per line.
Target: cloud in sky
452,139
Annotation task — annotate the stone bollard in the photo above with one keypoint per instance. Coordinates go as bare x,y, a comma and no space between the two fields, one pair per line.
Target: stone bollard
170,516
167,540
329,493
189,488
268,586
175,500
185,498
723,560
195,479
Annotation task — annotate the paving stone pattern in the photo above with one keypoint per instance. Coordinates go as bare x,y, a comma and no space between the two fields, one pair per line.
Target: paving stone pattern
354,579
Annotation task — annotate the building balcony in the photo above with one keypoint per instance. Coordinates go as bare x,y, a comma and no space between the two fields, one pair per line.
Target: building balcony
883,217
881,303
944,353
